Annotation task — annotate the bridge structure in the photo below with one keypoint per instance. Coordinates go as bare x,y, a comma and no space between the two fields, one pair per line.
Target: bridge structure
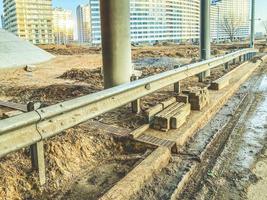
36,125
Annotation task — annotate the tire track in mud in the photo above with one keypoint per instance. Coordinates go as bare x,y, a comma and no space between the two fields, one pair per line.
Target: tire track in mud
188,170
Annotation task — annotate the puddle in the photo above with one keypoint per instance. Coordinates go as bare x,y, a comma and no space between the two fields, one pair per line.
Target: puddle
263,85
255,131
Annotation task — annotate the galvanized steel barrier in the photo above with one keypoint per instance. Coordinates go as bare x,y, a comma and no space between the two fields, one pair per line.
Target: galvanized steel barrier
33,127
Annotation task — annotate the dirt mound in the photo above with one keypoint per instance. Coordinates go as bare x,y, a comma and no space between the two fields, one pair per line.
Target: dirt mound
66,156
93,77
149,71
49,95
171,51
70,49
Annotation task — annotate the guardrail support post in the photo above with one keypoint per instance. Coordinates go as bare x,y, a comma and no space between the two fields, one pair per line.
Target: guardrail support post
204,35
38,161
37,150
177,87
234,61
136,106
226,65
240,58
116,42
244,58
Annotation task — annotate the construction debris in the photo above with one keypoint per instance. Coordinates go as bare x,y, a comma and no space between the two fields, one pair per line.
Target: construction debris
30,68
198,97
172,117
151,112
220,83
180,117
182,98
162,119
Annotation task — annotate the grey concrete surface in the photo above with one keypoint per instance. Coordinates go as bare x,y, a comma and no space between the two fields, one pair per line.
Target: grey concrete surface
15,52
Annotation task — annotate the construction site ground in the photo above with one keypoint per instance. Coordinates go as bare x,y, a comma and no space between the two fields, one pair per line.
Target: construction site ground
84,162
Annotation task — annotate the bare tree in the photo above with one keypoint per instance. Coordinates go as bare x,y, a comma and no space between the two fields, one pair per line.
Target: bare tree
230,25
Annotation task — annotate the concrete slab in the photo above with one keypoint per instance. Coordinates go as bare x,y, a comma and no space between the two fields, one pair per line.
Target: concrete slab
15,52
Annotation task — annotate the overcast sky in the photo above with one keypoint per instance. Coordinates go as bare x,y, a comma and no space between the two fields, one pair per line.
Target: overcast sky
261,10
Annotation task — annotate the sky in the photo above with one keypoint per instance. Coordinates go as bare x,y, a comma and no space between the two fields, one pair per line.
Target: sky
261,10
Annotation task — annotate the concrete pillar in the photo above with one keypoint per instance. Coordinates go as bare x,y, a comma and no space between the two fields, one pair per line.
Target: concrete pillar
116,43
204,34
252,29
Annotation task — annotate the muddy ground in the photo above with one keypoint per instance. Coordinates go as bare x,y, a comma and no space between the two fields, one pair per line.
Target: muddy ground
235,174
232,168
82,160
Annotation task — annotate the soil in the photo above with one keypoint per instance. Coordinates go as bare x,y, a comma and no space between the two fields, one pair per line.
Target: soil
238,172
257,191
227,170
82,160
82,148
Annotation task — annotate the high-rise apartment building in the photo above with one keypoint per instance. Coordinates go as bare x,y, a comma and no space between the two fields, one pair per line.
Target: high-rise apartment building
2,21
235,14
62,26
84,23
156,20
31,20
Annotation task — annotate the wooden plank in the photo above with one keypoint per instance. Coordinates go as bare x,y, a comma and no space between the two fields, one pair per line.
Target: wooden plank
108,129
16,106
11,114
137,132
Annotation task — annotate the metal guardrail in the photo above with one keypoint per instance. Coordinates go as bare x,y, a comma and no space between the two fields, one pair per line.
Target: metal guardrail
32,127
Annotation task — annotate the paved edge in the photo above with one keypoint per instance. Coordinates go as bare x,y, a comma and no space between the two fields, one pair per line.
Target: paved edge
135,180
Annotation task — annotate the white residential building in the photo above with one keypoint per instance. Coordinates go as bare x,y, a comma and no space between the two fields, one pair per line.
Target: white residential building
2,21
84,23
62,26
30,20
236,12
156,20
